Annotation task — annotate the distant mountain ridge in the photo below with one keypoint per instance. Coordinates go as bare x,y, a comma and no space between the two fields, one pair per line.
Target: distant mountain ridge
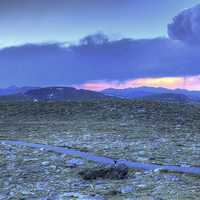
48,94
15,90
52,94
153,93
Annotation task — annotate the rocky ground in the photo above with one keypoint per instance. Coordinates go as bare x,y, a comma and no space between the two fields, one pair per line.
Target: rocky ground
165,133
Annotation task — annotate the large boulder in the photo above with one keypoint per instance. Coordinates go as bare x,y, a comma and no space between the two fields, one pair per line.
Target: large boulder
105,172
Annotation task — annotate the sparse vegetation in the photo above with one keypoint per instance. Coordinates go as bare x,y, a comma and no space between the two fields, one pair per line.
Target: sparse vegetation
157,132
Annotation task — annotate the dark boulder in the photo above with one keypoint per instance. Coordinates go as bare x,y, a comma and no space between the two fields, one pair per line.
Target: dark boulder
112,172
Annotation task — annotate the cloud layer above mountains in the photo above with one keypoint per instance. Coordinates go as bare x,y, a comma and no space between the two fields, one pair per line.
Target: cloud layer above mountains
47,64
96,58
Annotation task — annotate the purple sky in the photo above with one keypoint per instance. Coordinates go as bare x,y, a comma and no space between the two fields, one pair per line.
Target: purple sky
122,43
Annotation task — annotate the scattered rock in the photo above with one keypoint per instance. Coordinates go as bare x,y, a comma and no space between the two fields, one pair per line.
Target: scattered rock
96,197
126,189
75,162
40,186
2,197
171,177
79,196
44,198
113,192
142,186
68,195
112,172
45,163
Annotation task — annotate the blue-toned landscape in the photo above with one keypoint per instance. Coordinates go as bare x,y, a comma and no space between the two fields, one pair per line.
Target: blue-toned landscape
99,100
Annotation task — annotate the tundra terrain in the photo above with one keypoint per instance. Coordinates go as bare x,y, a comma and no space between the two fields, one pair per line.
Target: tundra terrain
142,131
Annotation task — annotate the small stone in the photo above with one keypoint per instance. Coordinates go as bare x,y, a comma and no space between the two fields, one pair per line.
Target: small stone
45,163
157,170
126,189
142,186
74,163
53,167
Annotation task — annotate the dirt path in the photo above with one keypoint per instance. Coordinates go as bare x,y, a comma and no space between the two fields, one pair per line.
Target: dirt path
106,160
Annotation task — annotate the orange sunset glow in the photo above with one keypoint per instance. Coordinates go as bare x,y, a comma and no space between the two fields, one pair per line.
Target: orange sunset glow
190,83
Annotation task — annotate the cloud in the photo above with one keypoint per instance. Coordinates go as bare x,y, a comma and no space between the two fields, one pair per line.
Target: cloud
186,26
190,82
98,59
98,38
169,82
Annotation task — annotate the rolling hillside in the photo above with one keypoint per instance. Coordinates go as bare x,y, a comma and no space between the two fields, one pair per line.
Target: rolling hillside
53,94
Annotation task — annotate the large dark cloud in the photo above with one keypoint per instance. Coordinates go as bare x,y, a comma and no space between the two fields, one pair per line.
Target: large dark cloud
186,26
97,58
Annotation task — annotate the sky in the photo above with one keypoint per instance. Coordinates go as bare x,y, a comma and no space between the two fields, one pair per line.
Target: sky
95,44
30,21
